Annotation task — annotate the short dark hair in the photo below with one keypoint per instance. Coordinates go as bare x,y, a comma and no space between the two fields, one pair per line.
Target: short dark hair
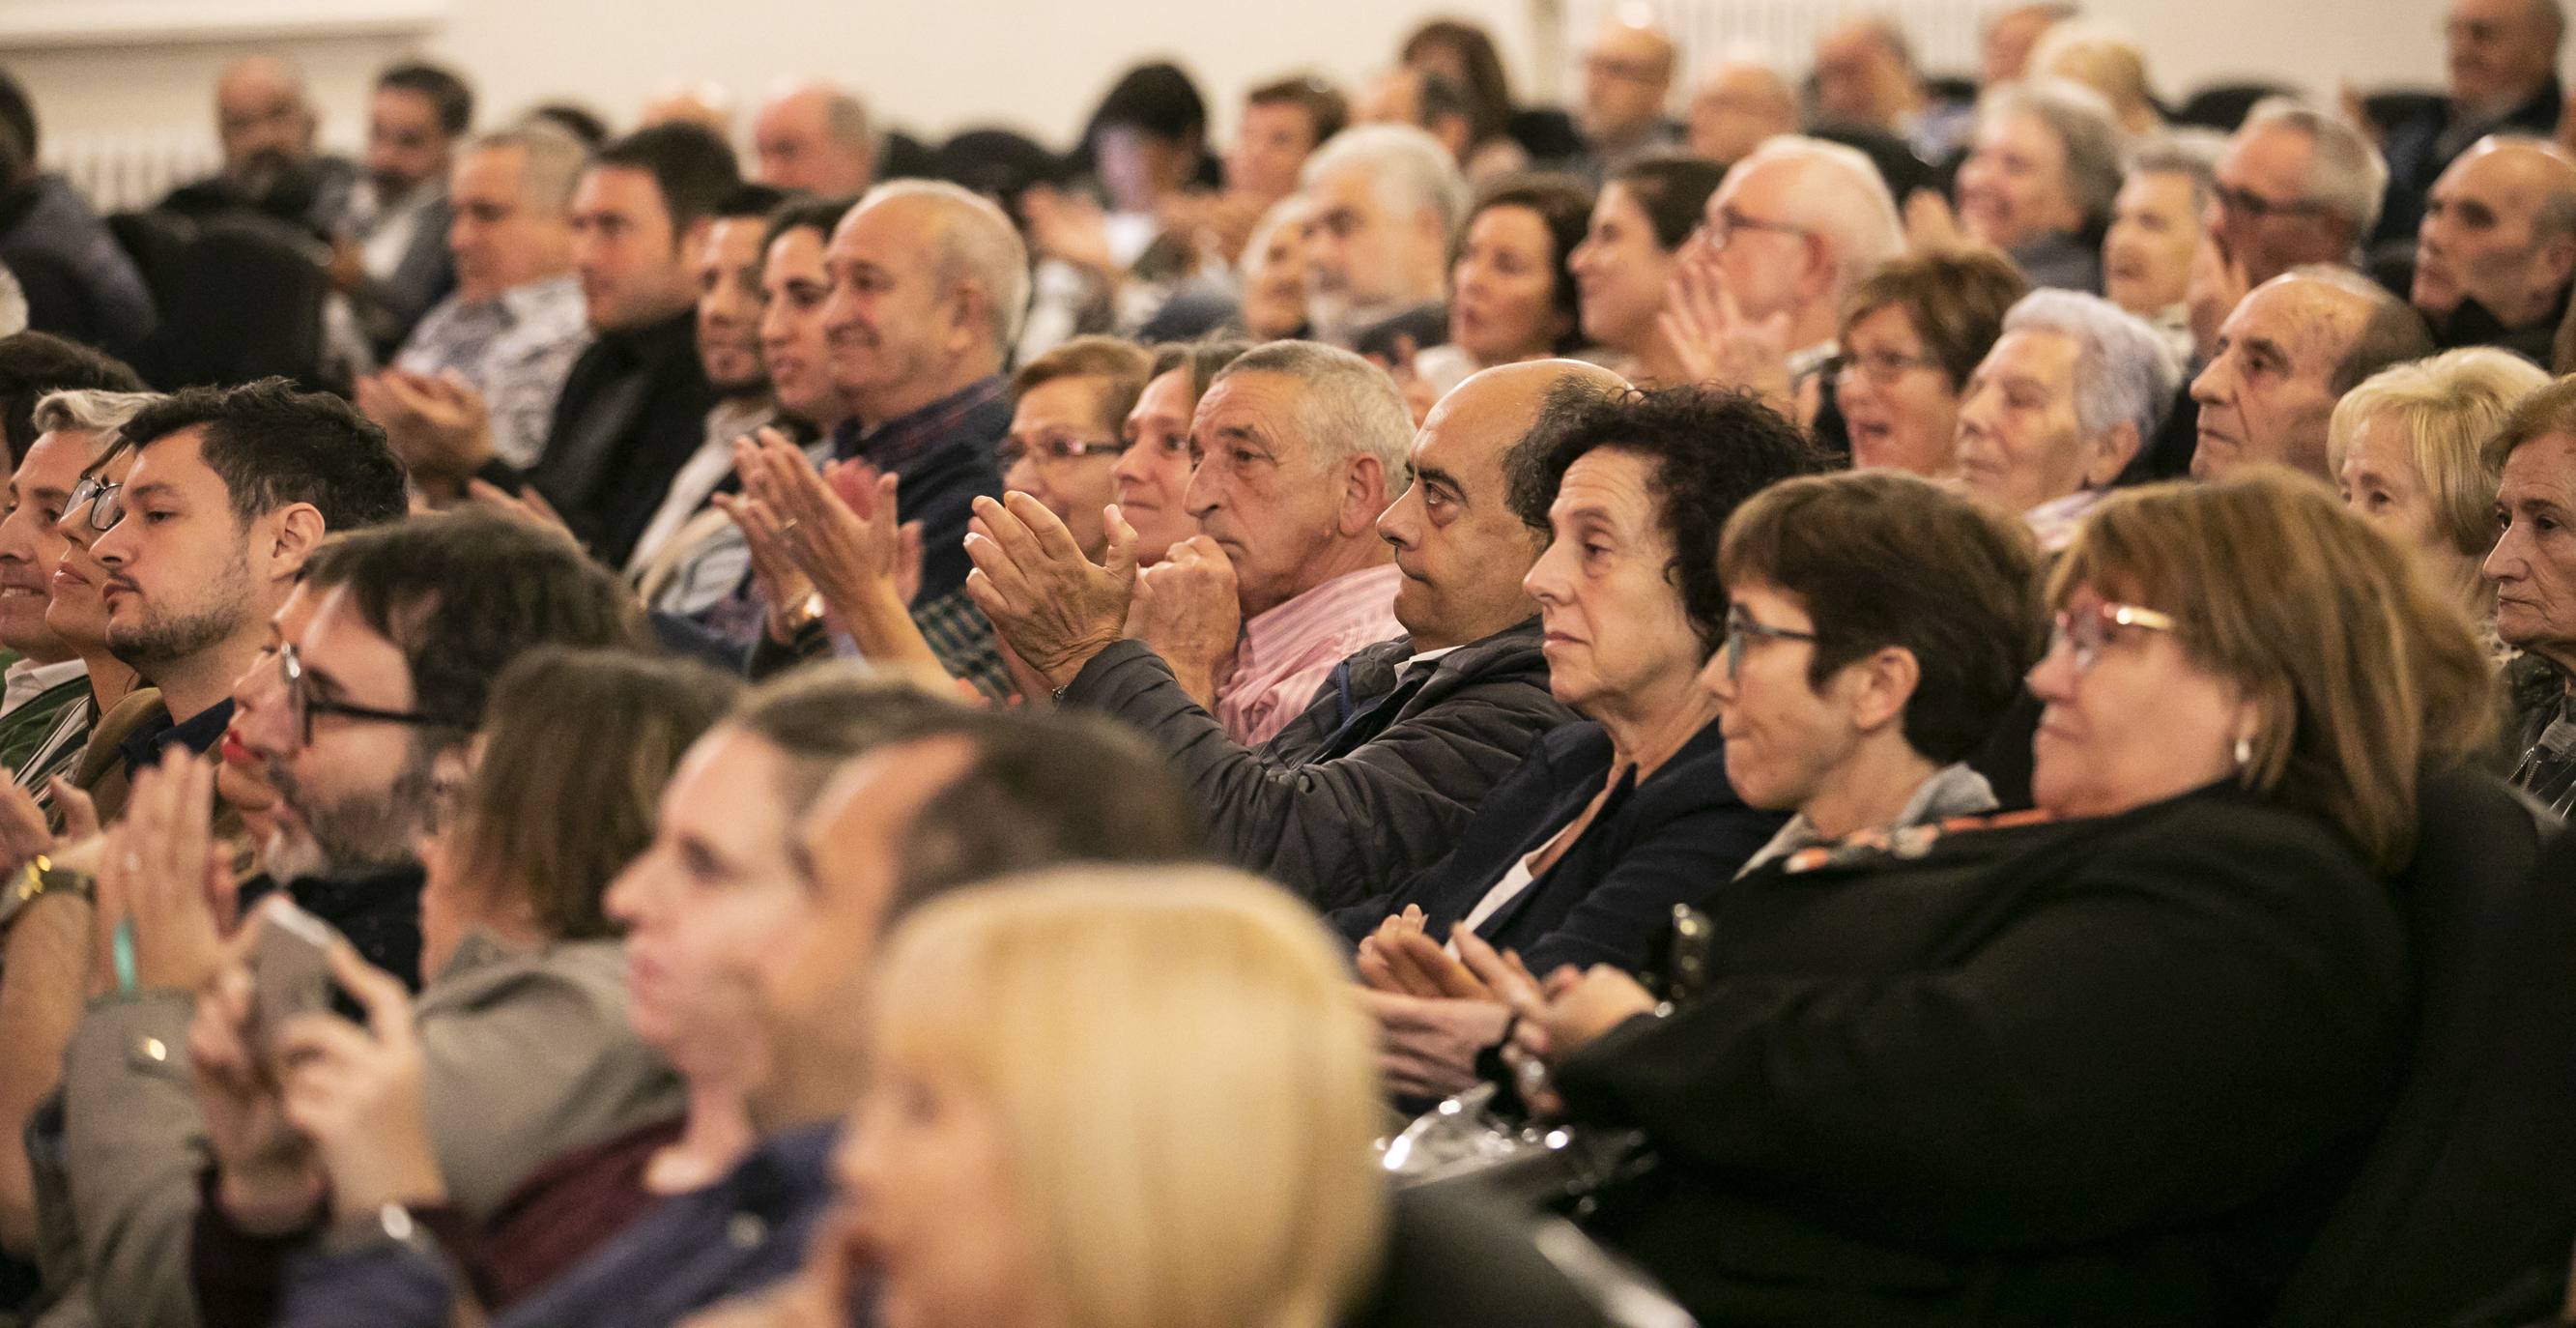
751,199
691,167
1158,99
1672,187
464,593
1488,90
35,363
1857,551
447,92
577,120
273,445
1564,205
1204,359
1045,788
18,140
1712,449
1327,110
806,214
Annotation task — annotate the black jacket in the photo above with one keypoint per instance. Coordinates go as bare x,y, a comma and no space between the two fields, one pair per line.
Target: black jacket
633,411
1676,838
2103,1072
1356,792
2417,152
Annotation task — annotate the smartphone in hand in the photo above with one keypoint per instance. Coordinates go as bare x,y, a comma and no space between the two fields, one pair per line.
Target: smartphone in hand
290,968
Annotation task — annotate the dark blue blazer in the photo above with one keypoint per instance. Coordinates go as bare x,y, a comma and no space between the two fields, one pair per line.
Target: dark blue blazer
1673,839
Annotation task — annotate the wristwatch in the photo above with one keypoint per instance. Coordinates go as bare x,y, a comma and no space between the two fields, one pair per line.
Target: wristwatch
40,878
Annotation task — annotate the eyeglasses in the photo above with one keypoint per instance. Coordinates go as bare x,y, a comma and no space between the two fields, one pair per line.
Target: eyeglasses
1055,451
1742,629
1886,366
2255,207
99,497
1714,230
302,705
2086,631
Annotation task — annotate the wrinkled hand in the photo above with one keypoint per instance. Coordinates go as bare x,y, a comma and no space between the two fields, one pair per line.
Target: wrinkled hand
1401,957
355,1092
441,427
1428,1048
162,869
1056,607
268,1181
2218,283
1190,612
842,535
1717,342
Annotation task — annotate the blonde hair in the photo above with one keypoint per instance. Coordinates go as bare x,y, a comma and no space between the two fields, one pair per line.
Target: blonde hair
1186,1084
2364,677
2447,407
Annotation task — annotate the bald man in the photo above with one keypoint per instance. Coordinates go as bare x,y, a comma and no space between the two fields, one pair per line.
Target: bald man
265,123
2288,352
2502,60
1737,105
1627,85
814,137
2498,247
1377,777
1790,228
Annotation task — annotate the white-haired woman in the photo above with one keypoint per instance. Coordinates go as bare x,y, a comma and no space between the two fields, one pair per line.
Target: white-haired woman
2060,406
2039,180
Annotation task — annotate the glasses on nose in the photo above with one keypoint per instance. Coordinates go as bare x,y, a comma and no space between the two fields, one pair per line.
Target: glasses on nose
1886,366
302,705
1055,451
1715,230
2255,207
2086,631
97,499
1742,630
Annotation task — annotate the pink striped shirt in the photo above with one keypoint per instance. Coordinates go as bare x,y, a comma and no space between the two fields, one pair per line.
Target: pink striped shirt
1290,650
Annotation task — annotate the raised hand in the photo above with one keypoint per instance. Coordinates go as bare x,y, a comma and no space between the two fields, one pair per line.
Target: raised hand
268,1179
1056,608
440,426
160,870
1716,341
1188,610
356,1092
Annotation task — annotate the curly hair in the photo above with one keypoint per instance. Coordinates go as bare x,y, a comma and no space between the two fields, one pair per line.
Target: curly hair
1712,449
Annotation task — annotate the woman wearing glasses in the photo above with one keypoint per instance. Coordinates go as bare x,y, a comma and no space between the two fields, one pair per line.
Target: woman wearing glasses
2111,1059
1578,856
1913,330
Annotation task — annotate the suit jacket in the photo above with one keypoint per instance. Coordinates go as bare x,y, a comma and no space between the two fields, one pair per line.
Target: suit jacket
1355,792
2418,149
1676,838
2109,1071
633,410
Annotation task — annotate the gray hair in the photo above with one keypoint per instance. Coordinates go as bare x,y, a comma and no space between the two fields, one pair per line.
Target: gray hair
98,413
2346,173
2124,372
1845,200
2192,153
2082,120
1349,406
551,164
1412,172
977,243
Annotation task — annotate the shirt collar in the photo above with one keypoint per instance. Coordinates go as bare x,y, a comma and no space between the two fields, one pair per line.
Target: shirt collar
144,746
531,298
25,677
1322,605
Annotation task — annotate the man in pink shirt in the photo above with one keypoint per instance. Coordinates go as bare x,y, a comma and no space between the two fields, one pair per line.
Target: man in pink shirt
1298,448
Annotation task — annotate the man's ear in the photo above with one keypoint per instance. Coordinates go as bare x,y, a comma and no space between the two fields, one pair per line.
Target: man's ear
294,531
1364,496
690,239
972,320
2558,255
2108,453
1882,683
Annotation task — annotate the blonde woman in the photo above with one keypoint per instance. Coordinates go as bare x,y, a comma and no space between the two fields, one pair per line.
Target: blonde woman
2407,449
1109,1102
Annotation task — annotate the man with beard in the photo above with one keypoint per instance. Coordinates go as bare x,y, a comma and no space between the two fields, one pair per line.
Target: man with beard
393,262
230,492
265,124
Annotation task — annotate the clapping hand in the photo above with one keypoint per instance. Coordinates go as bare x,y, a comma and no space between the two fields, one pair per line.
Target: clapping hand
1717,341
1188,610
268,1179
440,426
839,530
1400,957
1056,608
164,879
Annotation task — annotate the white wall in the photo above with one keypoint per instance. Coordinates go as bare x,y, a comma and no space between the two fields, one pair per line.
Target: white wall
939,65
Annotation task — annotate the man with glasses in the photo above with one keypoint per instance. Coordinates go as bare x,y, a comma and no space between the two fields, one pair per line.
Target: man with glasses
2296,186
2502,59
1627,89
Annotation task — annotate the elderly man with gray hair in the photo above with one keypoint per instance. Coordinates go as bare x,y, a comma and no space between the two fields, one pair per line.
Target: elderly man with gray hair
2060,406
814,137
2497,249
1386,199
1300,447
2297,186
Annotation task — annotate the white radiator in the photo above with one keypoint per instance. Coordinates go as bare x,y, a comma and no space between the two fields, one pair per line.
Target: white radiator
121,169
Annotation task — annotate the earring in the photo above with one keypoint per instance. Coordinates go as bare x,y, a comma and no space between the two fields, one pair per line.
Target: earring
2244,750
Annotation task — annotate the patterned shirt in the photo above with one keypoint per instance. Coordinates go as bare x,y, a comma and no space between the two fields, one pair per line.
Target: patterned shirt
515,350
1289,650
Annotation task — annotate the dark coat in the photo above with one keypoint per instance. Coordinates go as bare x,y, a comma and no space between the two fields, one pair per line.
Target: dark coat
2417,154
1355,792
2105,1072
1676,838
633,411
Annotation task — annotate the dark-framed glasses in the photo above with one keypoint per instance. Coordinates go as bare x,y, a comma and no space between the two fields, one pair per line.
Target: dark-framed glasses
97,497
302,705
1055,450
2255,207
1742,630
2086,631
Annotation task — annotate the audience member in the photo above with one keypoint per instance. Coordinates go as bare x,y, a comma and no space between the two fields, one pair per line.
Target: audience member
34,365
2059,409
1152,478
2110,62
265,124
1866,77
2296,187
1580,855
1737,105
2040,178
2408,449
1068,410
2497,248
516,322
78,281
1299,448
1374,780
2156,230
1511,295
699,105
1147,144
1464,54
518,1048
1623,104
392,260
1282,124
1913,331
2229,760
2502,77
1272,305
2533,567
2010,34
1648,208
1386,200
2293,346
814,138
1425,100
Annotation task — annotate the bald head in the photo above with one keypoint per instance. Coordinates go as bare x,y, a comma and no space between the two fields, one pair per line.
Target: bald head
1627,81
815,137
2285,355
1865,74
2500,52
2499,231
707,105
1461,549
262,118
1737,104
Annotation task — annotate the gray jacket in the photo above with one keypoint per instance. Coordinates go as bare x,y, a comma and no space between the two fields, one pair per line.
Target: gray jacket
1364,788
